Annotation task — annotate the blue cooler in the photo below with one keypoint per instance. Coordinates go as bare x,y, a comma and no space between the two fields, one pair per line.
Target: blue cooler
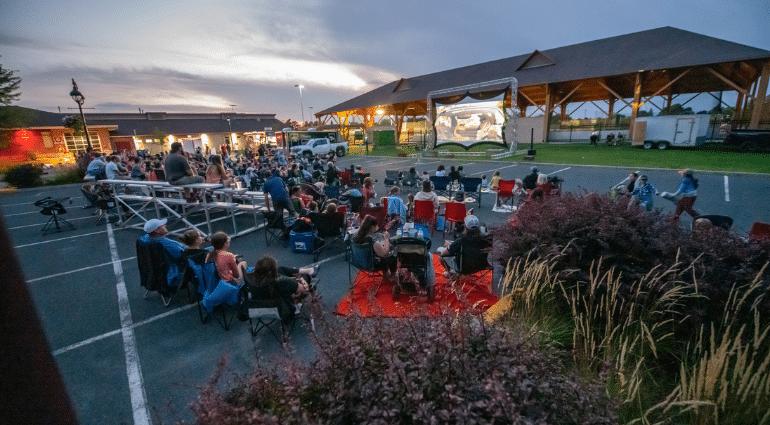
301,243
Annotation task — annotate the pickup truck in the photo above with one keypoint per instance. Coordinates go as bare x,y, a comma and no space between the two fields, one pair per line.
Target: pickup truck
320,146
749,140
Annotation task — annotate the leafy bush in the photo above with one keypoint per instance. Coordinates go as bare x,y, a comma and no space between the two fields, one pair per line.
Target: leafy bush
67,175
25,175
413,371
581,230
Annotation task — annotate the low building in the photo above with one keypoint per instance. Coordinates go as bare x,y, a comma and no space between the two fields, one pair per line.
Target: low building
45,139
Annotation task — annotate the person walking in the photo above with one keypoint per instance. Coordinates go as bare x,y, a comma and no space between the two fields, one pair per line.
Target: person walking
643,193
688,188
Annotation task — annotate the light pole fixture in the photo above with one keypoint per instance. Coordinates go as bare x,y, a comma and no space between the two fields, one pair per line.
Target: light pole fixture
78,97
301,107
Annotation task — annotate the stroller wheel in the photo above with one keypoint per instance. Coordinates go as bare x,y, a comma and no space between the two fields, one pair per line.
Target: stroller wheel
431,294
396,292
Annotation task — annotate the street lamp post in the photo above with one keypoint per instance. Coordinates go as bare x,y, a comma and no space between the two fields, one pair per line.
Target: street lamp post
301,106
78,97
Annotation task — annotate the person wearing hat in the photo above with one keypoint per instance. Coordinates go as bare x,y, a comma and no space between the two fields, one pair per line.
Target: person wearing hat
473,247
530,182
178,170
644,192
155,231
688,188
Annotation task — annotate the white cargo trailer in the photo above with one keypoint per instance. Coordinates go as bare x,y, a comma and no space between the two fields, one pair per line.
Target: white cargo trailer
671,130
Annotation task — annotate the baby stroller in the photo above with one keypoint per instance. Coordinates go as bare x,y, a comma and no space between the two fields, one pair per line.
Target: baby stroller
413,254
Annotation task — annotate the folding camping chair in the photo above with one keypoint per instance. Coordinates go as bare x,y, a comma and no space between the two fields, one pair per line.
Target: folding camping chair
331,192
380,213
759,232
425,213
362,258
331,229
441,186
214,295
261,313
276,226
159,272
505,192
392,178
472,188
414,255
454,212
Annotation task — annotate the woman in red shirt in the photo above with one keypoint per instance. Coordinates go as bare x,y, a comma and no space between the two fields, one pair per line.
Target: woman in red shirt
227,266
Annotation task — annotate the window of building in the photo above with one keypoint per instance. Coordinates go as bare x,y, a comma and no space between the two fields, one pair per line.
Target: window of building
78,143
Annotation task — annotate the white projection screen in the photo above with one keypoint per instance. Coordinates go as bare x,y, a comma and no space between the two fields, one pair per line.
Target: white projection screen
472,114
470,121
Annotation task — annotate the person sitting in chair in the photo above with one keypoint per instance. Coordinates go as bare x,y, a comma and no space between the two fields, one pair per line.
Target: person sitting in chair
471,244
396,205
227,265
369,233
155,231
192,240
267,281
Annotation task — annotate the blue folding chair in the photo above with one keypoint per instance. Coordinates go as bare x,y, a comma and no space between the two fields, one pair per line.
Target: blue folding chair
472,188
441,185
214,295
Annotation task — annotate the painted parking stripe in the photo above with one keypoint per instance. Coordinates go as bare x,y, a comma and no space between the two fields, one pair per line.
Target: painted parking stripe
43,224
76,271
61,239
133,366
563,169
494,169
727,190
32,202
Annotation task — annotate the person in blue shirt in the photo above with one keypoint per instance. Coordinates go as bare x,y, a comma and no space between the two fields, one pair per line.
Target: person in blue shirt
396,204
688,188
97,168
644,192
279,194
155,231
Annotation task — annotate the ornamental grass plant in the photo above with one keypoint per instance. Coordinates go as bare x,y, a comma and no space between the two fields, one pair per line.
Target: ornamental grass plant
676,316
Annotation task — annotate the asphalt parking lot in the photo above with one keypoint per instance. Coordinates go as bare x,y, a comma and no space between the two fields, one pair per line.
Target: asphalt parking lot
126,359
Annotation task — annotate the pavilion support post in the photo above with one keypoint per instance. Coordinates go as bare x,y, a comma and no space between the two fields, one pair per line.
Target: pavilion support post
738,106
759,99
563,112
635,105
611,107
548,111
669,98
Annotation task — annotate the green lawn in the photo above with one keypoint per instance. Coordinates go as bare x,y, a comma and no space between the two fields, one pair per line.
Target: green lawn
706,157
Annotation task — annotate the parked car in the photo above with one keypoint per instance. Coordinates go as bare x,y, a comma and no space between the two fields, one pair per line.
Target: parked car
749,140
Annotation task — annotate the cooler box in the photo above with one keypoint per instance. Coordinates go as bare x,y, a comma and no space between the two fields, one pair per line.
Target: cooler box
301,242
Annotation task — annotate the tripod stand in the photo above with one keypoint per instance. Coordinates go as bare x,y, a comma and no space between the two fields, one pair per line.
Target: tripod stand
54,208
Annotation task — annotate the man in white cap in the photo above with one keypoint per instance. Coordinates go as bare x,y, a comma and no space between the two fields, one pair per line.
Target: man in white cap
471,245
155,231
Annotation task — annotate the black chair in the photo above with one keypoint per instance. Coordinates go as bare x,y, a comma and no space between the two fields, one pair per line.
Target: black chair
356,202
331,229
159,272
331,192
414,255
276,226
441,185
472,188
392,178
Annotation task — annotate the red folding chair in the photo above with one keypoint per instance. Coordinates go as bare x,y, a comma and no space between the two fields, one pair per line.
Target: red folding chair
380,213
759,231
346,179
454,212
505,191
425,213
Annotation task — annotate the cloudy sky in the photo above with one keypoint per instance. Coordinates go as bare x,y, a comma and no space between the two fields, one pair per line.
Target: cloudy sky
195,55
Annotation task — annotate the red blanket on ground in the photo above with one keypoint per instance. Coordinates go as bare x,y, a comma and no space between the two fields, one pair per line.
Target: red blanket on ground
371,296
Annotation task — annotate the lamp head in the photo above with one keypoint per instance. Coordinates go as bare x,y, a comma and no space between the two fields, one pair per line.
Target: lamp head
76,95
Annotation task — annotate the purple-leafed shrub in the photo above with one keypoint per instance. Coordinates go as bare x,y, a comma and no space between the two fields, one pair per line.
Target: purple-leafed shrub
581,229
447,370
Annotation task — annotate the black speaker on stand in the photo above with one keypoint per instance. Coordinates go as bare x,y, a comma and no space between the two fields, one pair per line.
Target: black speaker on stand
54,208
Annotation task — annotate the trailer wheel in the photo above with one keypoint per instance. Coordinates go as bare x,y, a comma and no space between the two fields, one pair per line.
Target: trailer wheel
340,151
749,147
663,146
648,145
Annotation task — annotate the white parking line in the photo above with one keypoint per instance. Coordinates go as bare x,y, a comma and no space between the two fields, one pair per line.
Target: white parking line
727,190
60,239
133,366
32,202
75,271
563,169
495,169
43,224
13,215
